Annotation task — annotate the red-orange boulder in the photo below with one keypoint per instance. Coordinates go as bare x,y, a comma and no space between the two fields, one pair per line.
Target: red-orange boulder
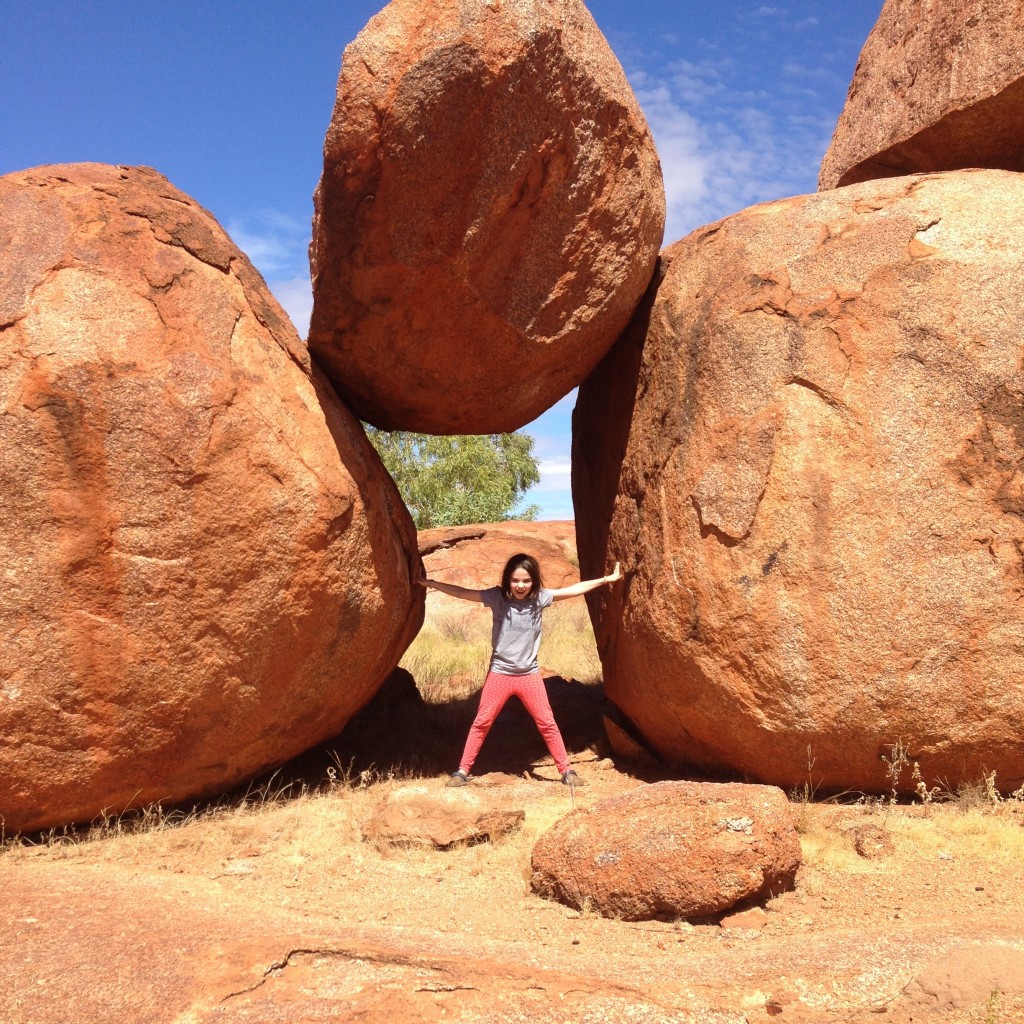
490,212
808,454
207,569
938,87
670,850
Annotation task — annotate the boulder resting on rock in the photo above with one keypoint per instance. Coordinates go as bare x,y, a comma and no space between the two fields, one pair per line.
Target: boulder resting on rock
473,556
489,215
939,86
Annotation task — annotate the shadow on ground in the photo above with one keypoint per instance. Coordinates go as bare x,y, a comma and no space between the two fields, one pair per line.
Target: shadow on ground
399,734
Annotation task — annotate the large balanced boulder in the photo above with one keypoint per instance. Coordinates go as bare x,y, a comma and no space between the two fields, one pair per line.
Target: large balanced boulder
939,86
490,212
808,454
207,570
670,850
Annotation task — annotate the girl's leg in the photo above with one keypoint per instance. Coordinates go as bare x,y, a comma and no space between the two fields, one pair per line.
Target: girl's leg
530,690
497,690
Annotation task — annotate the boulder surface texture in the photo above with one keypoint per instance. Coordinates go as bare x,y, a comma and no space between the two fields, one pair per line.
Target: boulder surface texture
207,570
939,86
670,850
808,454
489,215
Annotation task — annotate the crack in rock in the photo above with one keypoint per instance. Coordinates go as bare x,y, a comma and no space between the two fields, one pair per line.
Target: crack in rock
389,959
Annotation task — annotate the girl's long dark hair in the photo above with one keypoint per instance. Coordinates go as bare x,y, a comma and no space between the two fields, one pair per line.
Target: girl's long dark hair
521,561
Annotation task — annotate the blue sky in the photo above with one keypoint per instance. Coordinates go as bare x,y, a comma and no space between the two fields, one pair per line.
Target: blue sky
231,100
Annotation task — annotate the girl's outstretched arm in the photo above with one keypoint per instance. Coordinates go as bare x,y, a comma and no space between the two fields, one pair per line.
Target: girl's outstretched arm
462,593
584,585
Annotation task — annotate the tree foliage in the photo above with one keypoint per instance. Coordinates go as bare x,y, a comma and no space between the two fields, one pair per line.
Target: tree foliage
465,478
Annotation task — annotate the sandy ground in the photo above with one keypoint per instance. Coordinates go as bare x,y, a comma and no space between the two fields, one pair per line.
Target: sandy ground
275,909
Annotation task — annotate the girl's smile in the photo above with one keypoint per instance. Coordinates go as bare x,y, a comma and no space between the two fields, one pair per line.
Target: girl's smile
520,584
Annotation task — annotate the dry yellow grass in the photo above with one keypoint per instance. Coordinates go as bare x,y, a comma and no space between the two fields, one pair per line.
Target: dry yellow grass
449,657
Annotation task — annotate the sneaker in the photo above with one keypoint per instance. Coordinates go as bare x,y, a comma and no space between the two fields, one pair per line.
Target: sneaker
570,778
459,778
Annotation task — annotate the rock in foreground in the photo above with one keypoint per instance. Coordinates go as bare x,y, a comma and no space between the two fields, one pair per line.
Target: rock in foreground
208,570
490,212
416,816
938,87
808,454
669,850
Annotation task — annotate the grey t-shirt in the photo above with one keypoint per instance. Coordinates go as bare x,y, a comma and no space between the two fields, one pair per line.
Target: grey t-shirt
515,631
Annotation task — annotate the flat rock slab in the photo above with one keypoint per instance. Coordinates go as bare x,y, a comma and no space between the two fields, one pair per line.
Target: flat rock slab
490,213
98,943
418,816
670,850
968,976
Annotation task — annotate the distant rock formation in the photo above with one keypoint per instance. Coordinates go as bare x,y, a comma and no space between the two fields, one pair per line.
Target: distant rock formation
808,454
473,556
939,86
670,850
206,569
490,212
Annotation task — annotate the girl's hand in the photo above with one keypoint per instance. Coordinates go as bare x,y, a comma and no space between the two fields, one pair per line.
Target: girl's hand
616,574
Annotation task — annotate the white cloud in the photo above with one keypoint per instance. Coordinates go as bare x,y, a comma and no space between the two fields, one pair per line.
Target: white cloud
698,82
809,73
685,158
554,473
725,146
296,295
276,243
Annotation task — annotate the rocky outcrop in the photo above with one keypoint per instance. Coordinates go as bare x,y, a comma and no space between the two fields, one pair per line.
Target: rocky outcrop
490,212
670,850
939,86
473,556
417,816
808,454
207,569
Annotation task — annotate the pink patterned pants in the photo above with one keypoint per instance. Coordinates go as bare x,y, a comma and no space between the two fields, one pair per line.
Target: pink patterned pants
530,690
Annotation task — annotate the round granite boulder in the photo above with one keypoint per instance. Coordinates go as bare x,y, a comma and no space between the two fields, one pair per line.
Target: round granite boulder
808,454
206,568
489,215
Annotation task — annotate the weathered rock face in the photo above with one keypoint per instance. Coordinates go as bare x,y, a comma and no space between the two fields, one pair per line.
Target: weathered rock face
939,86
672,849
808,453
490,213
207,569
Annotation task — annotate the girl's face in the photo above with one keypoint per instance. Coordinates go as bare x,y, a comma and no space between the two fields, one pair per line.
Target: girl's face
520,583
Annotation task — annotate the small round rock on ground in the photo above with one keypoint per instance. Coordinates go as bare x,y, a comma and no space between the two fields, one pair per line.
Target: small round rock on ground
670,850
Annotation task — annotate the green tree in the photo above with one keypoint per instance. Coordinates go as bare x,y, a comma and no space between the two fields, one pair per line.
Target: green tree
465,478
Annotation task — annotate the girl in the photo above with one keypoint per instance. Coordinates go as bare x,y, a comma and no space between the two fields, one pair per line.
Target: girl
516,607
